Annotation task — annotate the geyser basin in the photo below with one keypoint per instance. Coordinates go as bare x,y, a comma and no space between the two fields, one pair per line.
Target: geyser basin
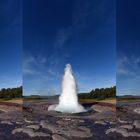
68,100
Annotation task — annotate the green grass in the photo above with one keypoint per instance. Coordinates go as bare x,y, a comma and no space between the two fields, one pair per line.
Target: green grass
95,100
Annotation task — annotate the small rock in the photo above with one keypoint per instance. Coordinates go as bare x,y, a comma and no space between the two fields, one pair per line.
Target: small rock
17,130
43,123
100,122
137,123
85,129
118,130
80,131
18,122
81,121
6,122
123,132
121,121
127,126
41,134
30,132
61,122
110,130
67,119
111,122
35,127
58,137
134,134
28,121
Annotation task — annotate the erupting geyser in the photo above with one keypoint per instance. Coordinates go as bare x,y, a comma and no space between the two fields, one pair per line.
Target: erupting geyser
68,100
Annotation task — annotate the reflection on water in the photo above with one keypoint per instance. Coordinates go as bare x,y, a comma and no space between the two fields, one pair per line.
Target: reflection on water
128,102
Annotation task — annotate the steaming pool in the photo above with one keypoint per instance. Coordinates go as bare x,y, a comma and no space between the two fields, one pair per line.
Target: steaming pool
42,107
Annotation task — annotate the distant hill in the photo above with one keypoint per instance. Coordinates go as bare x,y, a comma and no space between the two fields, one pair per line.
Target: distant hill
128,97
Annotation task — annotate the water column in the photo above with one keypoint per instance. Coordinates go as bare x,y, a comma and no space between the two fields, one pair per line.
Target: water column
68,100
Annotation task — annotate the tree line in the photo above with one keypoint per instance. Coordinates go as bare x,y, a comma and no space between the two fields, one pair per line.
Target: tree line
99,93
9,93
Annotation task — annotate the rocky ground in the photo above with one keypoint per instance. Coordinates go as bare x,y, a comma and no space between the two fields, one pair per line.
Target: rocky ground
102,122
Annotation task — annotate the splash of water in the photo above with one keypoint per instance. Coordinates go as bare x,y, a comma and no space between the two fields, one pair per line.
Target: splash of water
68,100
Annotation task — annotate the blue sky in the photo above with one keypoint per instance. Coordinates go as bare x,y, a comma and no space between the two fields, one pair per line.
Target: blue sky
38,38
78,32
128,47
10,44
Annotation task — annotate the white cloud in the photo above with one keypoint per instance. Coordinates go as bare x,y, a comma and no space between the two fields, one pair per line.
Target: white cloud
42,67
61,37
31,64
79,20
80,13
41,59
128,66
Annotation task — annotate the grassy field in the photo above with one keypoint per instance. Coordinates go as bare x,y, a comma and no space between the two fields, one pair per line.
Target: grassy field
109,100
17,100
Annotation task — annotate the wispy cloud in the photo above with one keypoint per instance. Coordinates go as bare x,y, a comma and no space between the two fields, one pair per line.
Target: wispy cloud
128,66
40,75
121,65
61,37
79,19
41,66
31,63
81,12
128,71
